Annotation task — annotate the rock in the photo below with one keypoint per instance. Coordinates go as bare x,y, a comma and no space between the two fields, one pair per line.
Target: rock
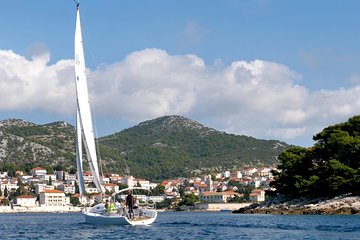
338,205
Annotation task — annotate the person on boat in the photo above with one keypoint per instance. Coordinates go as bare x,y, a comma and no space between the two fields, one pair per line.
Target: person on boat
130,204
106,205
111,207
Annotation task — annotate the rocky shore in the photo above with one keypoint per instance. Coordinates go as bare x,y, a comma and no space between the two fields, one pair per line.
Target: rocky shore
338,205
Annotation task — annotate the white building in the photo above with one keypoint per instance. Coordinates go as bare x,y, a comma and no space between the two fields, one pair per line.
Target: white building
53,198
38,171
128,180
255,183
39,187
87,177
237,174
257,195
218,197
26,201
91,190
3,175
111,187
143,183
66,188
9,185
226,174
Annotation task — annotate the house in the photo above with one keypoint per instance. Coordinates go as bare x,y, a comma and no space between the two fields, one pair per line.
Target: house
83,200
3,175
248,171
143,183
114,178
226,174
26,201
38,171
265,172
88,178
219,197
9,185
39,187
53,198
111,187
105,180
128,180
236,174
91,190
254,183
66,188
257,195
25,178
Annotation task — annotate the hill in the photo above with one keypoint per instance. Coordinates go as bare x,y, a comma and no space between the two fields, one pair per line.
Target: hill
165,147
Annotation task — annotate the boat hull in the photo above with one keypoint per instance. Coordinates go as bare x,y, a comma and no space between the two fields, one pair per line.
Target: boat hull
147,218
99,219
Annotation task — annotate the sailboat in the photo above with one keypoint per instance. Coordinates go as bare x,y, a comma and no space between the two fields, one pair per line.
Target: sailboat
85,139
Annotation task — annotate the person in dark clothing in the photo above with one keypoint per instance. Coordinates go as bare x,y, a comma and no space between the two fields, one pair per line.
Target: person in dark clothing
106,205
130,204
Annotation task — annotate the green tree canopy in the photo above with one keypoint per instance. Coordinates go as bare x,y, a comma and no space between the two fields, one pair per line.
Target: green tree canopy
331,167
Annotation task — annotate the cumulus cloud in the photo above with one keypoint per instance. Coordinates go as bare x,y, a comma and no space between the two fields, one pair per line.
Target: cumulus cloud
257,98
33,84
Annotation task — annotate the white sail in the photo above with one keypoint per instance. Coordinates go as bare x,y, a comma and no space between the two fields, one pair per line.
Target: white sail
83,107
97,214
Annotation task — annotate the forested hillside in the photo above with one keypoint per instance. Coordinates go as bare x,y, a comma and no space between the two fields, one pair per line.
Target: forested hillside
176,146
165,147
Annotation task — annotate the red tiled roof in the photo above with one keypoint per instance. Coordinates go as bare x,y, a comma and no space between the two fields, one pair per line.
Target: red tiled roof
25,196
52,191
38,168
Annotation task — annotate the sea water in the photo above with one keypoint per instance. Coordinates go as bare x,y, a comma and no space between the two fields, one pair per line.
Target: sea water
183,225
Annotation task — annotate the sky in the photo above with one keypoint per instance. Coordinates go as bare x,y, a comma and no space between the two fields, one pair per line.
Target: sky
270,69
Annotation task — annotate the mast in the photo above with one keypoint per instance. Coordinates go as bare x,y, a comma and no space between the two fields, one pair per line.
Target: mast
85,132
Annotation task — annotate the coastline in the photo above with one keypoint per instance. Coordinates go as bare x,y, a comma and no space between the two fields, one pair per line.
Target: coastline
337,205
39,209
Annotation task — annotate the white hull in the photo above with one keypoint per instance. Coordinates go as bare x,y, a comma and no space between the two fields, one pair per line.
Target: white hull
142,217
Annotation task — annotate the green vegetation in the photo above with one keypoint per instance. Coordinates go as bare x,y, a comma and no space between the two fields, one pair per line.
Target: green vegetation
158,149
189,200
330,168
174,146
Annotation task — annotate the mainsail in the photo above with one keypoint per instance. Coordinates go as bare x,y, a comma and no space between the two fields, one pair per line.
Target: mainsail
84,126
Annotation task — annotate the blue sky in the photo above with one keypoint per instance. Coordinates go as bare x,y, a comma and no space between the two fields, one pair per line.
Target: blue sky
271,69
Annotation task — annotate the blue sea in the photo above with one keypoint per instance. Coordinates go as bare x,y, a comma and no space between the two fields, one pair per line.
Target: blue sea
183,225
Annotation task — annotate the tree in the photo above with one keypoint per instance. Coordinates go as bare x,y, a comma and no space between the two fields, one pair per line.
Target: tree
20,190
331,167
189,200
237,199
6,194
75,201
158,190
165,204
77,189
50,181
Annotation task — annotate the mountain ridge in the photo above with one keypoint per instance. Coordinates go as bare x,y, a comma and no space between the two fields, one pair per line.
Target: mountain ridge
164,147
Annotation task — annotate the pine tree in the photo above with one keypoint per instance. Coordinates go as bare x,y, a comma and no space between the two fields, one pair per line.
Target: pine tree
6,194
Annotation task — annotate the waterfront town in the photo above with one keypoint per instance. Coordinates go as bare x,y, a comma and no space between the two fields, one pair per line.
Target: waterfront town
40,191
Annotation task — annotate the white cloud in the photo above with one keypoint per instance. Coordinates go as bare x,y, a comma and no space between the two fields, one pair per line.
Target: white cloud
257,98
32,84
